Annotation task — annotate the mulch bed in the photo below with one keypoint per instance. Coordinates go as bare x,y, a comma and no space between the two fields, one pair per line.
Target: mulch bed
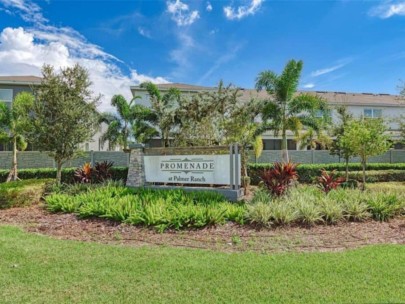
228,238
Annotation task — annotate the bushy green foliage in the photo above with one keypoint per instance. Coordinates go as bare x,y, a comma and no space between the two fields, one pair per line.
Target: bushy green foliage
308,206
308,172
21,193
64,113
162,209
117,173
386,206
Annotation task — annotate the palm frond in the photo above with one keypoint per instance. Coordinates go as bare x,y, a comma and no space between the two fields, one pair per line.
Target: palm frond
267,80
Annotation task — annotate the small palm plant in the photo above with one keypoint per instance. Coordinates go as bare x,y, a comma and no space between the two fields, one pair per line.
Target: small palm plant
14,124
314,138
130,121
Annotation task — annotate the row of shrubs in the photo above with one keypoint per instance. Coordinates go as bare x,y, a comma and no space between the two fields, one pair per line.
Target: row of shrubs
176,209
307,173
68,174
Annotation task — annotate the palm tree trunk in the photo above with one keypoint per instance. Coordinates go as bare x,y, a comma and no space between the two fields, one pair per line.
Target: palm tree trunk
13,175
284,151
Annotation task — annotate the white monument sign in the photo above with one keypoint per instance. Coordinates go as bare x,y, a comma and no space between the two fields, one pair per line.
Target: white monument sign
188,169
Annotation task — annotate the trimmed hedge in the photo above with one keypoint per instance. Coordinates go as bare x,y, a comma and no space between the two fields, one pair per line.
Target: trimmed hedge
376,172
118,173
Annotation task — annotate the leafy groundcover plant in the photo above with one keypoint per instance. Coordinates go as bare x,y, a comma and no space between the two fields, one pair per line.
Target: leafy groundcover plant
307,205
162,209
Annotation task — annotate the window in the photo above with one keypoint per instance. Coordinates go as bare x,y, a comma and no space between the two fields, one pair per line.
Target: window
6,95
372,113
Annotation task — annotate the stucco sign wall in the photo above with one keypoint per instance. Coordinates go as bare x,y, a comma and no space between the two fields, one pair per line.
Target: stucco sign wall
188,169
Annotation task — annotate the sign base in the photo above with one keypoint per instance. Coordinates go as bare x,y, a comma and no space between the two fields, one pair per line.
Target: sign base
232,195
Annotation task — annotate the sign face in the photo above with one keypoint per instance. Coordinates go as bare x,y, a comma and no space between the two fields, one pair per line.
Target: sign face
188,169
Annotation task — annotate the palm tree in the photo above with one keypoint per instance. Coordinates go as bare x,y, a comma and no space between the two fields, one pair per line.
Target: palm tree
285,109
164,108
130,121
14,123
314,138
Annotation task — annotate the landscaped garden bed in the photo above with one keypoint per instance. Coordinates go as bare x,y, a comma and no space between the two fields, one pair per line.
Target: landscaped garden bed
22,193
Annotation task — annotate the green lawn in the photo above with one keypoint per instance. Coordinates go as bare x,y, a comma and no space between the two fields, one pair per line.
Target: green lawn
38,269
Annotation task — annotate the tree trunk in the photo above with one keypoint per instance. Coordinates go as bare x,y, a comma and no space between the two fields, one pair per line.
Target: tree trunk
347,168
59,172
284,151
13,175
363,162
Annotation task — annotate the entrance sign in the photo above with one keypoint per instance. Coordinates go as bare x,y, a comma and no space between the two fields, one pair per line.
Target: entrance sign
188,169
191,169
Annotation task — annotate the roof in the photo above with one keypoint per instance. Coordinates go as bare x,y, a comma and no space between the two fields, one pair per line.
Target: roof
343,98
333,98
20,79
180,86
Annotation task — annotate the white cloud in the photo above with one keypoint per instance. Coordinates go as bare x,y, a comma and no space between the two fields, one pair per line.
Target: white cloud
308,86
242,11
28,10
181,13
213,32
23,51
181,54
228,56
388,9
327,70
144,32
208,7
338,65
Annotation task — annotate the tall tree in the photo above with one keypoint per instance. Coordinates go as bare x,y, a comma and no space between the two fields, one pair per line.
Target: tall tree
164,107
366,137
341,147
129,121
240,127
285,110
201,117
14,124
64,113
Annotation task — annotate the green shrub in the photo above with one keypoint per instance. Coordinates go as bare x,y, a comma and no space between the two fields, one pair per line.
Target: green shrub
162,209
308,173
331,211
21,193
117,173
283,213
260,214
384,206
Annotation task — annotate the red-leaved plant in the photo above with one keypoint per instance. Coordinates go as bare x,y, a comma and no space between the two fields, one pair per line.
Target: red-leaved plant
101,172
329,181
83,174
280,177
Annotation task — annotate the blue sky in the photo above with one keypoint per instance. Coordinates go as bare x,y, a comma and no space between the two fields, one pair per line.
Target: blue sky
355,46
